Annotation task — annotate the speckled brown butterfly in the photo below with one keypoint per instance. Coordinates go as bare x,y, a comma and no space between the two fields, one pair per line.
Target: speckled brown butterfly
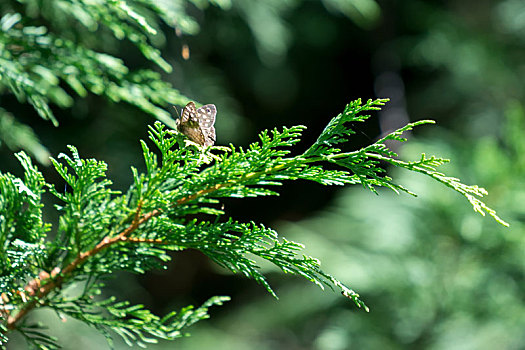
197,123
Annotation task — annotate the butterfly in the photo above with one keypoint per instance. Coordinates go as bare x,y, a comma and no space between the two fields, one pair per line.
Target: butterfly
197,123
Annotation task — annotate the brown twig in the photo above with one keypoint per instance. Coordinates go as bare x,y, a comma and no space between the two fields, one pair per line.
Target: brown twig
49,284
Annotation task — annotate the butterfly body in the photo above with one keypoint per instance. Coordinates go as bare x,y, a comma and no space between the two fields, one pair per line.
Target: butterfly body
197,123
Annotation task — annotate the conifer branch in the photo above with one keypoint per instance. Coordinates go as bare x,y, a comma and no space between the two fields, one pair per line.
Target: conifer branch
100,233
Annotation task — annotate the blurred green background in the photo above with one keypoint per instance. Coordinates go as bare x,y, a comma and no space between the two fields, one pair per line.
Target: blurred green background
434,274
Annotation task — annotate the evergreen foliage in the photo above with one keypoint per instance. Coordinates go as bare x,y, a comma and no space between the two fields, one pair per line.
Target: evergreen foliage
173,206
36,60
51,51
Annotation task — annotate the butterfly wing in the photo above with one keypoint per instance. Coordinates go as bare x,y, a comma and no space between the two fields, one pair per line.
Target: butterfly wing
188,113
197,123
209,136
206,117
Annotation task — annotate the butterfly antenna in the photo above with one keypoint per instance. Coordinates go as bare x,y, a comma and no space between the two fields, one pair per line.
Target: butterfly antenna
176,110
